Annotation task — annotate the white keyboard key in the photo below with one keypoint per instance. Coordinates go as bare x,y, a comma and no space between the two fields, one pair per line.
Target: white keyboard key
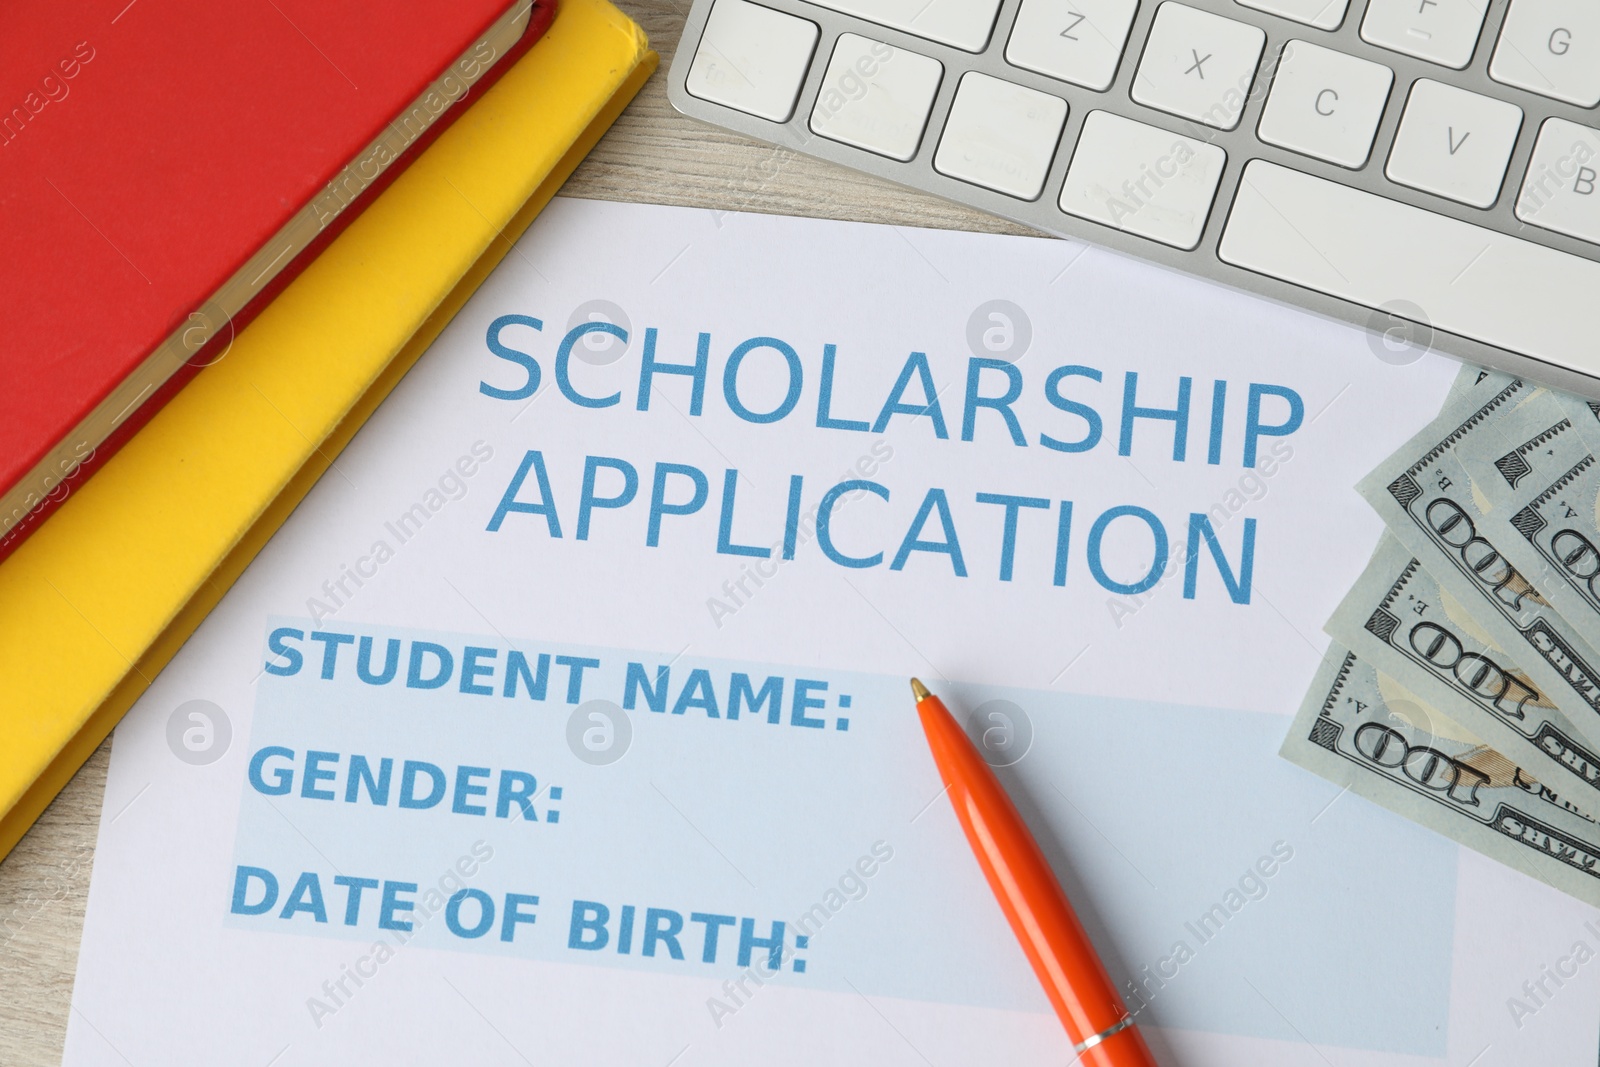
1325,104
963,24
1323,14
1440,31
1000,136
1467,280
1142,180
1453,143
876,96
1077,41
752,59
1198,65
1551,47
1560,192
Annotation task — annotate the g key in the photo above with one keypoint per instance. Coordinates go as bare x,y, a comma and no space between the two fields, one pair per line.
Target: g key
1551,47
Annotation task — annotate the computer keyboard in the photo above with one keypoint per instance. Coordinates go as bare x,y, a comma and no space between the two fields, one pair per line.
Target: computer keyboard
1423,167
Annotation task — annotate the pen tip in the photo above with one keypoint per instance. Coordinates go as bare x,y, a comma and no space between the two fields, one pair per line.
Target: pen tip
919,690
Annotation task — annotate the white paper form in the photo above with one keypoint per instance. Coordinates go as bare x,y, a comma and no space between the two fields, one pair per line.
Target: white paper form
567,719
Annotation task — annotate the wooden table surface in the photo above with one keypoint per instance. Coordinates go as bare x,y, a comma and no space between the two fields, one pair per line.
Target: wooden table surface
652,155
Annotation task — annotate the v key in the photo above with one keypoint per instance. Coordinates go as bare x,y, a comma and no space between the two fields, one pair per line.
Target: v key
1454,143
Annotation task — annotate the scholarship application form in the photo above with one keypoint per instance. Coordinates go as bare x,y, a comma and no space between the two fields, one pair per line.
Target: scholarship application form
567,719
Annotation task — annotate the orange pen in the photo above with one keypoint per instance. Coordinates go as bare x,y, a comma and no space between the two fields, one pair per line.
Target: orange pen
1098,1024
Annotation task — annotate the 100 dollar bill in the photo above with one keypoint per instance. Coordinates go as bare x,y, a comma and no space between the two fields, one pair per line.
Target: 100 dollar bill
1427,498
1472,385
1399,618
1585,414
1542,478
1361,730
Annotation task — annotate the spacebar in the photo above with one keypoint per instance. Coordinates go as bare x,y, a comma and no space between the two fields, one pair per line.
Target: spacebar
1370,250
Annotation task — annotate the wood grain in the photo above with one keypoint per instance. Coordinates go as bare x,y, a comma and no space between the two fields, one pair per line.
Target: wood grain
652,155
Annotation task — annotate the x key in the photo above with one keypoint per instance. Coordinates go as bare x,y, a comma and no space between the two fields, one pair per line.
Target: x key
1199,65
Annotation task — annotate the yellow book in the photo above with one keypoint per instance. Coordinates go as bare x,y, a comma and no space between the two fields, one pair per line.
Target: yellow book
96,601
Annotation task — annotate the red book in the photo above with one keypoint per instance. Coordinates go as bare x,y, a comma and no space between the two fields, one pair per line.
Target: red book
166,166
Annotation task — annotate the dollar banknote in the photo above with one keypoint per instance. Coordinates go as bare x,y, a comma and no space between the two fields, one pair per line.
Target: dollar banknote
1531,440
1471,382
1585,414
1402,620
1428,499
1366,732
1542,480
